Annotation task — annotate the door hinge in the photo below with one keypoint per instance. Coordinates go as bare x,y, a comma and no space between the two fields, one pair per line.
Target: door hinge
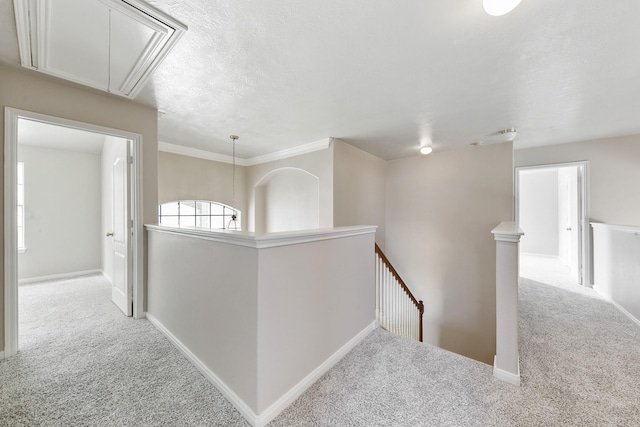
130,160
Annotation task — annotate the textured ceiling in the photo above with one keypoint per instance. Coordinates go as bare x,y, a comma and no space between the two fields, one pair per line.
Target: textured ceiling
385,75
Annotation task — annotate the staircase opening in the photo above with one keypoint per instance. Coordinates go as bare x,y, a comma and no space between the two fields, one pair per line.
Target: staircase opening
397,310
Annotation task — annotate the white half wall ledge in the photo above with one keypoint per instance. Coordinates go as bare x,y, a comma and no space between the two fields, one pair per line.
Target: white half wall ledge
624,228
268,240
507,231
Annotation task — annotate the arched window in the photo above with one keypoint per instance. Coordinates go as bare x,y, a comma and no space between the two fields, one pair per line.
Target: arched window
197,214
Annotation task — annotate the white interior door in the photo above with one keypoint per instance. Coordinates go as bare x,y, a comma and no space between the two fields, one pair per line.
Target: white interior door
574,224
121,289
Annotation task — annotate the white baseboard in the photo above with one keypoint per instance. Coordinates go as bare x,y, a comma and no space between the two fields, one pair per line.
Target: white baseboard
618,306
106,276
1,355
58,276
505,376
274,410
235,400
281,404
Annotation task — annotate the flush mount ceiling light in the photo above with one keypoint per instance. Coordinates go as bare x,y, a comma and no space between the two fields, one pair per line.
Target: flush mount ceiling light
499,7
111,45
426,150
508,134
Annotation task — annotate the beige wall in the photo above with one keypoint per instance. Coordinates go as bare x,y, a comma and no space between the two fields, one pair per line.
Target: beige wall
359,189
26,91
318,163
183,177
614,174
440,212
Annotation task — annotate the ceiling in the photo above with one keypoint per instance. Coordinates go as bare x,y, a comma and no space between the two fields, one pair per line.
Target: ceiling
389,76
44,135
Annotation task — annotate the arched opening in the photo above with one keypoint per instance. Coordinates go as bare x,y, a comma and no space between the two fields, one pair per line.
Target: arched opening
287,199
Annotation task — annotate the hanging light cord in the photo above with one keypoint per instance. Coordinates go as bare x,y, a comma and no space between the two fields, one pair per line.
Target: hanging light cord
233,194
234,217
109,59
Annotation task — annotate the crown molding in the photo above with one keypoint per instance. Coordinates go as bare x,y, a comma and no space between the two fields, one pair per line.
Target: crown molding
200,154
290,152
278,155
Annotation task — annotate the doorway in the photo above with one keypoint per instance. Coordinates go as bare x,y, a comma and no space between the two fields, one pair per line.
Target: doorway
126,162
551,208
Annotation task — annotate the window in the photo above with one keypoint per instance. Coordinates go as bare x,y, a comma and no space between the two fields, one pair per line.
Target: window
20,196
196,214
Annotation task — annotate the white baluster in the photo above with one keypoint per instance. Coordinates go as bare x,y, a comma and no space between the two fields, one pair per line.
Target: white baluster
396,321
377,288
393,305
387,295
404,316
401,292
407,312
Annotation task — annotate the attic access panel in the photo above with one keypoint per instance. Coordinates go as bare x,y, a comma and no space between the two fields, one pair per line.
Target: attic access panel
111,45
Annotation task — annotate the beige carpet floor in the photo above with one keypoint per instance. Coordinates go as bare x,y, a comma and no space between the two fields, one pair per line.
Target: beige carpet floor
83,363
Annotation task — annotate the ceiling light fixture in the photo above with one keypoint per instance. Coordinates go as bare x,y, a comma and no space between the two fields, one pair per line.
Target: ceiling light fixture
509,134
426,150
499,7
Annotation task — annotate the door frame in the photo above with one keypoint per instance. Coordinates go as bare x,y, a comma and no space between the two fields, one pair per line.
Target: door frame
583,209
11,117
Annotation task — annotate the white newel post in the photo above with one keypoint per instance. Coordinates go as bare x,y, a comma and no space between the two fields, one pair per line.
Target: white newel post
506,364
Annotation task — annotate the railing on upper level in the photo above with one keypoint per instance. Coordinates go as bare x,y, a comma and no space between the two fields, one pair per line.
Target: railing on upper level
397,310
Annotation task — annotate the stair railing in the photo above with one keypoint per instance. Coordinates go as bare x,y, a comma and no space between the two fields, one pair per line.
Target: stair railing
397,310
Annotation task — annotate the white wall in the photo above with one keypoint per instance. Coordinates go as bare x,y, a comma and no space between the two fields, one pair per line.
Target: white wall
539,211
318,163
359,189
263,319
614,171
313,298
62,212
205,294
440,212
287,199
617,270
